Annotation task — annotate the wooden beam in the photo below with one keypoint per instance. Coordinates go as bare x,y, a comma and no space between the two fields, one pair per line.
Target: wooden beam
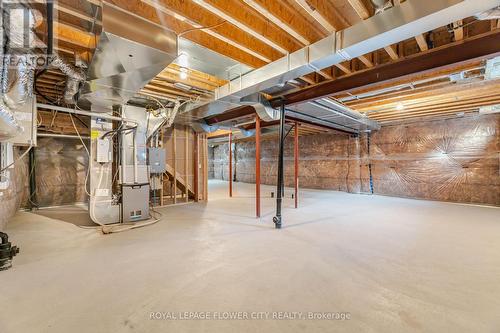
344,67
158,12
271,17
391,51
469,50
231,13
458,30
316,15
364,59
360,8
422,43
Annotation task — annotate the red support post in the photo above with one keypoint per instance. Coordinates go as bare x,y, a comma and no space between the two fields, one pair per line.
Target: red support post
257,166
230,164
196,168
296,158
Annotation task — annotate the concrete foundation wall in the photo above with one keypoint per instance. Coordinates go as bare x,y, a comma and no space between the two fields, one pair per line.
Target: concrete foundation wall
12,198
448,160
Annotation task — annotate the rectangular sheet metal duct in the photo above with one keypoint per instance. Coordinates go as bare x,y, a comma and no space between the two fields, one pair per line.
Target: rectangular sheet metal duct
410,19
131,51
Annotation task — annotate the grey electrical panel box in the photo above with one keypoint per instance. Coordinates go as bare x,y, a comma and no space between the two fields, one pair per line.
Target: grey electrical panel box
104,153
135,202
157,160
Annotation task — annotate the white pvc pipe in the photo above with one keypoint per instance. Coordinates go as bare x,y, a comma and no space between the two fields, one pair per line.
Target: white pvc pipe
123,161
135,158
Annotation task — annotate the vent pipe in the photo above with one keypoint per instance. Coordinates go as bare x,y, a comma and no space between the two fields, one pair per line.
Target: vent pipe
381,5
17,66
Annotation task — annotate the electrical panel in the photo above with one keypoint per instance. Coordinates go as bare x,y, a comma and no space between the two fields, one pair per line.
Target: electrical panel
135,202
104,153
157,160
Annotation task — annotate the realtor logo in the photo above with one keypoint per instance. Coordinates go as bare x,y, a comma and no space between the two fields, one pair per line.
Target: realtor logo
19,20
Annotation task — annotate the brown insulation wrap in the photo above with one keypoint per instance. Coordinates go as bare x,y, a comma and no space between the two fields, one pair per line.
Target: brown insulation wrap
61,167
447,160
17,194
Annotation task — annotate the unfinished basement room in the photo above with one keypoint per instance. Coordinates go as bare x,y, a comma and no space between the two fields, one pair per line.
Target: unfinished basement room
250,166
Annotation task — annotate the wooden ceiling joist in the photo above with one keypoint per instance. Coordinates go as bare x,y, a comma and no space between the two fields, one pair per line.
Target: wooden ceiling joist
452,55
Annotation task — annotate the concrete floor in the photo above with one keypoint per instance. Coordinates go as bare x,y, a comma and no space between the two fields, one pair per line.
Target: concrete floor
396,265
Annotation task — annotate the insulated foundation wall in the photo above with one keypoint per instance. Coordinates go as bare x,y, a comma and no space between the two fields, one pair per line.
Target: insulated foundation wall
453,160
17,193
60,170
447,160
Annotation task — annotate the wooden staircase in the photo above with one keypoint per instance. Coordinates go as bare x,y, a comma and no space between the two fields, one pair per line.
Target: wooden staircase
181,182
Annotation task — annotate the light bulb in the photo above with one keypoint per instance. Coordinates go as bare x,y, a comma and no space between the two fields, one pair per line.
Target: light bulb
183,60
183,73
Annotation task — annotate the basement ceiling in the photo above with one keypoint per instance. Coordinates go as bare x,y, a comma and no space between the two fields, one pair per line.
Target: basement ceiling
224,37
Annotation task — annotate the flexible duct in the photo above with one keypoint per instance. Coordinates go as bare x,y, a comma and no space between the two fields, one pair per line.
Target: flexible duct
74,75
381,5
18,66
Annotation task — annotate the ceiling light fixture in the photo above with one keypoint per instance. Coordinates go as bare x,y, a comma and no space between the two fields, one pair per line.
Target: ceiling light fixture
183,73
400,107
183,59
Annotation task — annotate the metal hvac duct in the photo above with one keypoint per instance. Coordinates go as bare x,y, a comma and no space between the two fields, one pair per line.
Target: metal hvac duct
393,25
131,52
491,14
17,66
74,77
381,5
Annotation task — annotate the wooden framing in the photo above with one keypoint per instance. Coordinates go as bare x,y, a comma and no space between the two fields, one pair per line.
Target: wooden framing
255,33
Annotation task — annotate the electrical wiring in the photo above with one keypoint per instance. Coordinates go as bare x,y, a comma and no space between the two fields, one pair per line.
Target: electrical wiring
17,160
202,28
88,154
29,177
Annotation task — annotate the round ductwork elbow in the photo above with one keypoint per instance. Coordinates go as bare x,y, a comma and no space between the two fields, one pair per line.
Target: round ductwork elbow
266,112
202,127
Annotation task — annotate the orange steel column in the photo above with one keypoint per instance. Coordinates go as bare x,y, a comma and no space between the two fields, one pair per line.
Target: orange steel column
296,157
230,164
196,168
257,166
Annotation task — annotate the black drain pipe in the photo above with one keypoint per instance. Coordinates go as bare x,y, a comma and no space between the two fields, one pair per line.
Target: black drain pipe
280,183
369,162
